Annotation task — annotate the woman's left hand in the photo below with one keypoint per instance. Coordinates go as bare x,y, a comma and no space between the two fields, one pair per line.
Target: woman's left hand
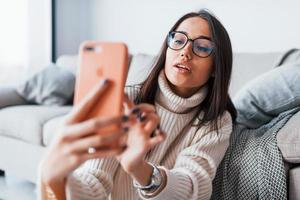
142,135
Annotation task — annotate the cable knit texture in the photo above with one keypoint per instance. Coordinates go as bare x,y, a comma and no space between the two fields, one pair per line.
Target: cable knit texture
189,156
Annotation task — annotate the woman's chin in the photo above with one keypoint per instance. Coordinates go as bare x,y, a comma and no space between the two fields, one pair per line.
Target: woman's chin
177,83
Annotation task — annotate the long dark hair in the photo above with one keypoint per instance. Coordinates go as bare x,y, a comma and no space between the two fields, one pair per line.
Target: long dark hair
217,100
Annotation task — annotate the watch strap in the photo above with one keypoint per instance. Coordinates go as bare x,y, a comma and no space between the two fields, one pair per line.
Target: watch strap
153,184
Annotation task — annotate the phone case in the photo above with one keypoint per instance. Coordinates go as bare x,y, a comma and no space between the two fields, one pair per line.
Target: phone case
100,60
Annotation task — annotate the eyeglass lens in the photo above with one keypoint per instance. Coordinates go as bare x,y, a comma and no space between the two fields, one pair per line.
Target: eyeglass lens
201,47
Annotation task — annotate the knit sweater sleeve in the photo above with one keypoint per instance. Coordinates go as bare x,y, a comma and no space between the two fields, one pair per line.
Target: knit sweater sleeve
195,167
94,180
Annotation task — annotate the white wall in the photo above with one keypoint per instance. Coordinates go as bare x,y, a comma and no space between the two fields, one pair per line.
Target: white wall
73,24
254,26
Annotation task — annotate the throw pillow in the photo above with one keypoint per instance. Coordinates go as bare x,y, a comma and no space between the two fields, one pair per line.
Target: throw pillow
265,97
51,86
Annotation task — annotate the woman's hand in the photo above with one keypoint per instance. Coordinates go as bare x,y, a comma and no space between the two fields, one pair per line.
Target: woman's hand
70,148
142,135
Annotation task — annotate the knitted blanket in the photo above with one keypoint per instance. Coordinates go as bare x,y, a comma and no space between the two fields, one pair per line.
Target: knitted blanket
252,167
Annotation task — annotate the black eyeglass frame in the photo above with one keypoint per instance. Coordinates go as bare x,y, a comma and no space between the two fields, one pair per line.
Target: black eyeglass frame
192,40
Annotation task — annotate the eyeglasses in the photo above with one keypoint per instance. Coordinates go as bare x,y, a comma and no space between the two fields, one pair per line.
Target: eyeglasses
202,46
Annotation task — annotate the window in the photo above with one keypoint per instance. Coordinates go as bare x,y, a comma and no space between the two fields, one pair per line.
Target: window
25,38
13,39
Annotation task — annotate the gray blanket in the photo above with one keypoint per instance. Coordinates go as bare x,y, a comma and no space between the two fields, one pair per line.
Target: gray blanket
253,167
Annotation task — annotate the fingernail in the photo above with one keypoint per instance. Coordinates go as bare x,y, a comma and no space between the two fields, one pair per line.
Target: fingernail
141,118
104,82
135,111
125,118
125,129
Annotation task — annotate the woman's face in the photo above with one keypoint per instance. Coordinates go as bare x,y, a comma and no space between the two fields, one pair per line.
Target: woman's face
186,71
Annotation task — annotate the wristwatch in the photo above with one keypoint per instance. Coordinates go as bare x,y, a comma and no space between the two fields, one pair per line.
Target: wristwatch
155,180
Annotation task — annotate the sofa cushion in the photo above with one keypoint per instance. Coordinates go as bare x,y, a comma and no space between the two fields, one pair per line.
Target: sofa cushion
26,122
288,139
50,129
268,95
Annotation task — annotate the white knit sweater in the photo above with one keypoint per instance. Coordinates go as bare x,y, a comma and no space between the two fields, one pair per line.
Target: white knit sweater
189,157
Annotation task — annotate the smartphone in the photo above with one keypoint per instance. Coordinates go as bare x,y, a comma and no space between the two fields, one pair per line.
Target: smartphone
99,60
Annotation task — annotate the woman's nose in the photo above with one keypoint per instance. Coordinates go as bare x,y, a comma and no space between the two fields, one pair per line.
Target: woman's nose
186,52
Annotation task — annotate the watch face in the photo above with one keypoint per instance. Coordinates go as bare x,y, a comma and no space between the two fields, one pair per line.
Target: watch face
156,177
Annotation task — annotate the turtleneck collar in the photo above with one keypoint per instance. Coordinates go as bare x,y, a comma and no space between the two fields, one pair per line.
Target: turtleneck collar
171,101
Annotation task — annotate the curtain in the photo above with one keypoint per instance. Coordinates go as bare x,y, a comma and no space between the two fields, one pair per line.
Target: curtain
13,39
25,38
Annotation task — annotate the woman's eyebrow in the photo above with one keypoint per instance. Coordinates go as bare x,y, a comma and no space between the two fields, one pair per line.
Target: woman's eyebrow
201,36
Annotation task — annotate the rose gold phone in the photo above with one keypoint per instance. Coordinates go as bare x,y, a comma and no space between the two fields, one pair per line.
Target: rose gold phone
100,60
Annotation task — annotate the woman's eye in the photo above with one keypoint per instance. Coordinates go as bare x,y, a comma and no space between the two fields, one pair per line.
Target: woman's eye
178,41
203,49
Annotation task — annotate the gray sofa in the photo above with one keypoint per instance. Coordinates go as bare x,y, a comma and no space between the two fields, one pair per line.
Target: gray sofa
25,130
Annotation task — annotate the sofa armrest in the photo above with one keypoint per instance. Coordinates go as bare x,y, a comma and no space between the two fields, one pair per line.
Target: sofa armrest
294,182
288,140
10,97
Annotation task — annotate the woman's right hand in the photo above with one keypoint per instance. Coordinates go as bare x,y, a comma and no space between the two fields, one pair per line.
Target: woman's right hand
70,148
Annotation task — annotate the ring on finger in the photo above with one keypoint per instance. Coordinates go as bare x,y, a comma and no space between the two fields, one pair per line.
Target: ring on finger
91,150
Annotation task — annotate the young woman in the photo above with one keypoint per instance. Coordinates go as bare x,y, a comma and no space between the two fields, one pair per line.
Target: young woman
186,94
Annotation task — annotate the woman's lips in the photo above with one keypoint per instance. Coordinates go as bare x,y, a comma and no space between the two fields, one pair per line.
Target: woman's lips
181,68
